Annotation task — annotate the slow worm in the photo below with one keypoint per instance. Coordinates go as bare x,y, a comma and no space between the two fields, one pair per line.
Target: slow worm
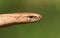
6,19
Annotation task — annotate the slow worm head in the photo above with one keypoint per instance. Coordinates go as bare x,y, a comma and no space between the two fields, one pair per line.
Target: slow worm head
19,18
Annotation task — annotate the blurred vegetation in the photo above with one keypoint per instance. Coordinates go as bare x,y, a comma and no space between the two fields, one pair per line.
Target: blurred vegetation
48,27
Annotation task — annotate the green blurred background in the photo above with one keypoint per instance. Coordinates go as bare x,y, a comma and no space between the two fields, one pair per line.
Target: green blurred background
48,27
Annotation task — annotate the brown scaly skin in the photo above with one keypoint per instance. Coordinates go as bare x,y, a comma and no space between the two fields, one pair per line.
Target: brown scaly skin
7,19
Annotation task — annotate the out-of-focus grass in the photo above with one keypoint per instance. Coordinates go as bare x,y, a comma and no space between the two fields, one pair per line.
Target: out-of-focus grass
48,27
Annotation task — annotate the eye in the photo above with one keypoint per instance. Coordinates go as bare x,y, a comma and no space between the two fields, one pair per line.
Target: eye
31,16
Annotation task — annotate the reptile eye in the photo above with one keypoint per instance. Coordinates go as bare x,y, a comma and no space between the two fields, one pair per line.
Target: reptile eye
30,16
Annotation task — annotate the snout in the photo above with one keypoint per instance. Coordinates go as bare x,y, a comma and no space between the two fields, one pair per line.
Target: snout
38,17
